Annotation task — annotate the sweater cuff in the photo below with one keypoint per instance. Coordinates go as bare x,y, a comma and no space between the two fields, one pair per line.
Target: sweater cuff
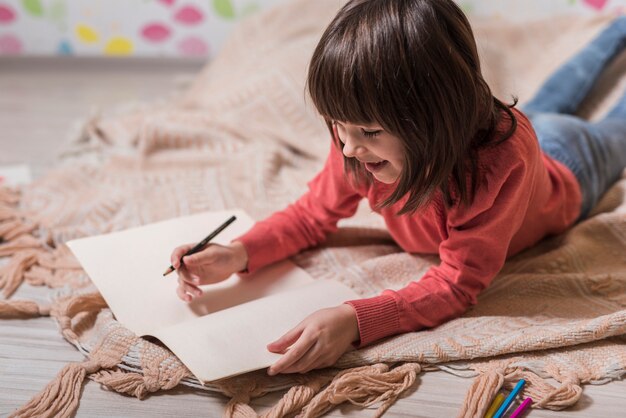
377,317
256,249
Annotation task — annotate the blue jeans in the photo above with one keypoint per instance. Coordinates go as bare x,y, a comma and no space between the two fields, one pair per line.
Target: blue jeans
594,151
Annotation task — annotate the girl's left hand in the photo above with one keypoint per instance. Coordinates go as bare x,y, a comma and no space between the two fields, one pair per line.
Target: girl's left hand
316,342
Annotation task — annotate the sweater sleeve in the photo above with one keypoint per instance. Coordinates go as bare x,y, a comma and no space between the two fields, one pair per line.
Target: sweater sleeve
473,253
308,221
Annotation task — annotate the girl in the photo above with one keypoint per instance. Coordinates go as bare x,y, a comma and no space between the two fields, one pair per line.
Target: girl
453,171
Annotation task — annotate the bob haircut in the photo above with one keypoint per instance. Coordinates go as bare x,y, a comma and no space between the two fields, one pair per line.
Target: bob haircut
411,66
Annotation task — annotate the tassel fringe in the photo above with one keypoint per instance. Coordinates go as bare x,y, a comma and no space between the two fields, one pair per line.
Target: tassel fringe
362,386
65,311
22,309
140,385
481,393
298,397
12,275
13,228
488,383
19,239
60,397
549,397
120,381
9,195
237,406
23,242
365,386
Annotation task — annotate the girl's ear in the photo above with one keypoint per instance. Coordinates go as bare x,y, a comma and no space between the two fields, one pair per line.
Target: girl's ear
336,133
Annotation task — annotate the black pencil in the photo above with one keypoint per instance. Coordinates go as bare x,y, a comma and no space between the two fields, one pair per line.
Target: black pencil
202,243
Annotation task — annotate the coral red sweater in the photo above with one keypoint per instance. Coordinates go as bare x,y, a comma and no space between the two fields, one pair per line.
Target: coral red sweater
524,196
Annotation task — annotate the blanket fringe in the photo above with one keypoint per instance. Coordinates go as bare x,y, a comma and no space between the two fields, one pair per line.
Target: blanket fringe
60,397
139,385
13,228
38,265
544,395
61,258
241,394
481,392
7,212
12,221
23,242
298,397
239,408
22,309
130,383
9,196
37,275
21,239
547,396
365,386
12,274
65,311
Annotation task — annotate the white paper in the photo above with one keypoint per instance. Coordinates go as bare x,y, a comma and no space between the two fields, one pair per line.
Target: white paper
233,341
127,267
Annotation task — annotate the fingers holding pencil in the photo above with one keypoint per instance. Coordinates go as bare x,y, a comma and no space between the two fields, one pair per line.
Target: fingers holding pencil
186,290
200,245
178,254
213,264
205,263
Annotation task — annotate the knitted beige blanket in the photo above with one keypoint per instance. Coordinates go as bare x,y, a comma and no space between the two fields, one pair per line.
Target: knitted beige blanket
242,135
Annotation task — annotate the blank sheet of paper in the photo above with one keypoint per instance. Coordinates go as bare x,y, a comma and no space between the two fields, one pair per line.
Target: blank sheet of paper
225,331
233,341
127,267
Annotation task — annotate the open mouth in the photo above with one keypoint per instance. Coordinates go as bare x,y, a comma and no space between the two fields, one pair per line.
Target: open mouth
373,167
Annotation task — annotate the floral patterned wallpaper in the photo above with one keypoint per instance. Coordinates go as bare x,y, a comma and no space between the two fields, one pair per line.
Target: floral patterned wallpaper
181,28
120,27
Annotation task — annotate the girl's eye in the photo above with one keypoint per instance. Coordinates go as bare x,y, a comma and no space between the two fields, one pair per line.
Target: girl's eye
370,134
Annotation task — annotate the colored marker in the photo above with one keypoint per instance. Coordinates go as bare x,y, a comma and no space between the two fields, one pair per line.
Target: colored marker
521,408
509,400
497,401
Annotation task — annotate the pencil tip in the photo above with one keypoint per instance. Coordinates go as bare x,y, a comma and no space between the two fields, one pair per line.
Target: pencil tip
168,271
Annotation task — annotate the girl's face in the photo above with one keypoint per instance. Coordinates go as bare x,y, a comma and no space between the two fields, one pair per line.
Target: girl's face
380,153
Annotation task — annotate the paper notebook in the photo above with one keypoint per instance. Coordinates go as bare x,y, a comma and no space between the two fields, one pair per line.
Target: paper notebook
222,333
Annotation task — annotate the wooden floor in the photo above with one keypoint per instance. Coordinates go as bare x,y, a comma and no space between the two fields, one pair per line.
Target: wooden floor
39,99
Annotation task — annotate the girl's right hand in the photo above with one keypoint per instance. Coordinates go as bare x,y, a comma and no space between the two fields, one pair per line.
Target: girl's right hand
211,265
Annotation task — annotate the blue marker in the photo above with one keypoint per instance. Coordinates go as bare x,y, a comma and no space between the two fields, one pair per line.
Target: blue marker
509,400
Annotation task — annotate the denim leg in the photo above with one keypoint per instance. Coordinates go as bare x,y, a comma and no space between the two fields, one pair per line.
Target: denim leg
568,86
595,152
618,111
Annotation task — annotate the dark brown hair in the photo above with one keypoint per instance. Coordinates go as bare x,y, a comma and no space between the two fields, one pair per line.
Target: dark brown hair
411,66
